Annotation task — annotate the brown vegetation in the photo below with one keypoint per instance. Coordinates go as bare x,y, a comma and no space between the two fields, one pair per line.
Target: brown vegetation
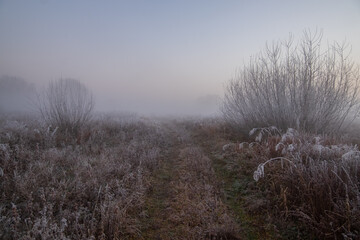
61,187
313,179
135,178
122,178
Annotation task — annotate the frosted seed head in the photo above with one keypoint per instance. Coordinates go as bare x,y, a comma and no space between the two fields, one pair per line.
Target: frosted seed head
252,131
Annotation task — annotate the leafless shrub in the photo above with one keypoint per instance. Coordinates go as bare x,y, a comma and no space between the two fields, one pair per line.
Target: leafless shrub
302,87
67,104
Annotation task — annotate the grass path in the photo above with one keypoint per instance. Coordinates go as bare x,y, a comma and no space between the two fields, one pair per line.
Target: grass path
236,182
243,197
156,224
185,199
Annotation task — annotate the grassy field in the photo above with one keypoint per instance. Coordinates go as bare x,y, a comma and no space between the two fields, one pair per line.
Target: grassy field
130,177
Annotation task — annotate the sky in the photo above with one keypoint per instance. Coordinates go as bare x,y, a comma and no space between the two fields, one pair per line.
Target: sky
157,56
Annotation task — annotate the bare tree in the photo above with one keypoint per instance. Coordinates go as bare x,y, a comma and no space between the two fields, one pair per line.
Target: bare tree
301,86
67,104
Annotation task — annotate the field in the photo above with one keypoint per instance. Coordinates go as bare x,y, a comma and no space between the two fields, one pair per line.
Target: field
131,177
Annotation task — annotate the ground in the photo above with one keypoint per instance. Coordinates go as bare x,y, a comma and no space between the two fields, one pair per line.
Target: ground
194,195
133,178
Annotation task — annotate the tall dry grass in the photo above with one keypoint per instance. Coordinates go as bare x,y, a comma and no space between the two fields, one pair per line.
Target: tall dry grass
89,186
313,179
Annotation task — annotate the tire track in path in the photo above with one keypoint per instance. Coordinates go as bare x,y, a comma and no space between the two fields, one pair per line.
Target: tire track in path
184,200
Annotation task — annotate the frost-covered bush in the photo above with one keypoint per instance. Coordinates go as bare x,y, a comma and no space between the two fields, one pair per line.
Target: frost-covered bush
299,86
67,104
315,179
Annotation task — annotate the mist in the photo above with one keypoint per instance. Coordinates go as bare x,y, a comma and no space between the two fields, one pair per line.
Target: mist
153,58
16,95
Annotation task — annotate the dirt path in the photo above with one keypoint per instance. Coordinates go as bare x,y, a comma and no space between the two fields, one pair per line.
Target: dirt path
184,201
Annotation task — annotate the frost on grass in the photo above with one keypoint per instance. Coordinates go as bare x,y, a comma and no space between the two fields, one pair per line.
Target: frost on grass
228,146
315,179
264,132
351,155
85,186
294,145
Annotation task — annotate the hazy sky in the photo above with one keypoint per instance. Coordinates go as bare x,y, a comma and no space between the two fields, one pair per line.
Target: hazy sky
156,56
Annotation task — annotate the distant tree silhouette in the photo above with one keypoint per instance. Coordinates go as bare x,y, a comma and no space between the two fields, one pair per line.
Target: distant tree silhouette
67,104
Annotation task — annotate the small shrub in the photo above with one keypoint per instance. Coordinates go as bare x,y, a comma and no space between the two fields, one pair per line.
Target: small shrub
67,104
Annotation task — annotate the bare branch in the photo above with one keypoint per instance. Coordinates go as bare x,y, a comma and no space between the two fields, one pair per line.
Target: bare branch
301,87
67,104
